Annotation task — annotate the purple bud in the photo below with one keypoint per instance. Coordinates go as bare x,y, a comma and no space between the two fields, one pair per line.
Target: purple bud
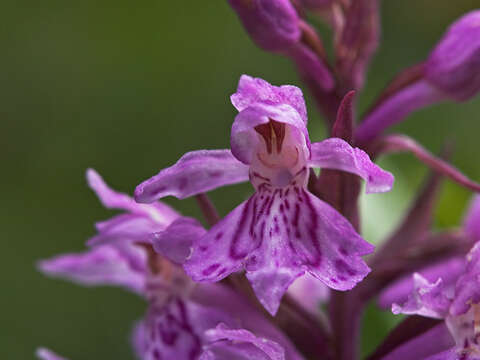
454,65
452,71
275,26
272,24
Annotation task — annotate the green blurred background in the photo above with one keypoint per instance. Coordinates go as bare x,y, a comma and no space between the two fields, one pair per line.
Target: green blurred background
126,88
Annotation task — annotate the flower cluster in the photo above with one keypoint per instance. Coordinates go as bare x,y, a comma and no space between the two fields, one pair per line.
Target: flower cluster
249,286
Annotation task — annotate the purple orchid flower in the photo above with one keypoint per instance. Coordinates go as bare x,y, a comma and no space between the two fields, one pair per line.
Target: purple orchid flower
122,264
183,321
458,306
448,269
281,231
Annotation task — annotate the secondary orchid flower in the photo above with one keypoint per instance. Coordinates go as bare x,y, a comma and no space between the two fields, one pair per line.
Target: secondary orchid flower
458,306
282,230
448,269
183,321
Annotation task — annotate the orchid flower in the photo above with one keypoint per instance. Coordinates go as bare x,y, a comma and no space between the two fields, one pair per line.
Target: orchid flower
183,321
282,230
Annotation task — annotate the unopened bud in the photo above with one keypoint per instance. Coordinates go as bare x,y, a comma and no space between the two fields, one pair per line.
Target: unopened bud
454,65
272,24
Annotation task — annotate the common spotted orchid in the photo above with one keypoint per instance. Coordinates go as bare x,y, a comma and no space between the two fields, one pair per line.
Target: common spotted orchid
183,321
282,230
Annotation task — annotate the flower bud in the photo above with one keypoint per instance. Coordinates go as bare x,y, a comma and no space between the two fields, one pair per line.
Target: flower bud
275,26
272,24
454,65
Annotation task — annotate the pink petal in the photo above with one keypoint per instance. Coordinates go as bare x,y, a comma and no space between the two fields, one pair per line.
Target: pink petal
427,299
241,344
161,213
448,270
252,90
102,265
224,247
328,244
337,154
176,241
195,172
125,228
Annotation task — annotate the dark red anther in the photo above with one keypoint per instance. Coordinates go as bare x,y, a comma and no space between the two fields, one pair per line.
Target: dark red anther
279,130
266,131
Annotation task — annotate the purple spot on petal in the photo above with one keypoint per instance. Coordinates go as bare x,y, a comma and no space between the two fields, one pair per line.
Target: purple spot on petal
296,215
216,174
254,218
219,236
312,229
264,205
262,230
343,267
203,248
157,189
252,260
290,245
269,207
169,337
343,251
156,354
182,183
333,280
208,271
